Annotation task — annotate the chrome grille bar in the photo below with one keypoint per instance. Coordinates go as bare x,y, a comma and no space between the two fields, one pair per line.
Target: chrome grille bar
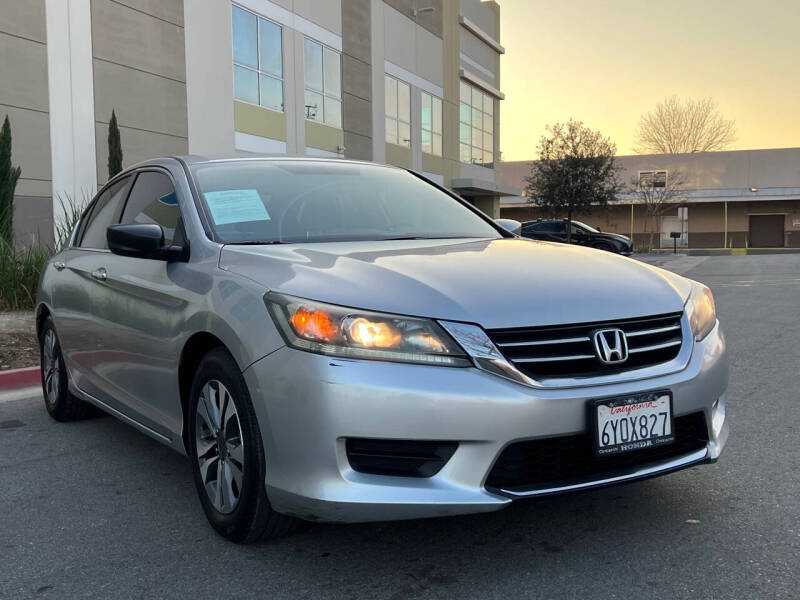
654,347
544,342
631,334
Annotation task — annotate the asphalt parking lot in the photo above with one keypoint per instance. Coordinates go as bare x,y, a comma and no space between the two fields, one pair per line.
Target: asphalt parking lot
95,509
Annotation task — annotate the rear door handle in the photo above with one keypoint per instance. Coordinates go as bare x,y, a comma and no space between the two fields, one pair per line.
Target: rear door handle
100,274
59,266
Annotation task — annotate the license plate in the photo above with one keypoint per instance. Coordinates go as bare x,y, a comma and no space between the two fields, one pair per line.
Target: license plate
633,423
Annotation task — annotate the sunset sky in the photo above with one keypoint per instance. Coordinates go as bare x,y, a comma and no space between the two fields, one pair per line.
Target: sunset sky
607,62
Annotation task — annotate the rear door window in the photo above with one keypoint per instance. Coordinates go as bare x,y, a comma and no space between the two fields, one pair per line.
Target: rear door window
104,213
153,200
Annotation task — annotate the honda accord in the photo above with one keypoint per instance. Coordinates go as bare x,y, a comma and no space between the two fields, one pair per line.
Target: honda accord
332,340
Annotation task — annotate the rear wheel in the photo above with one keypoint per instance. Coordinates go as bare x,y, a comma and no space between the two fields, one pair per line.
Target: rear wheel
60,404
227,454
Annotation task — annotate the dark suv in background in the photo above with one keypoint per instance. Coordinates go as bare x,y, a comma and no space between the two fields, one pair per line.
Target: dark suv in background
555,230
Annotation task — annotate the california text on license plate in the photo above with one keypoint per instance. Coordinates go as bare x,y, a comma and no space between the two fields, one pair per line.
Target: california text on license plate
633,422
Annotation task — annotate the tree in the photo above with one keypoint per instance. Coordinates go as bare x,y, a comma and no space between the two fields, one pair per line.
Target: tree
678,126
576,170
114,147
8,183
657,191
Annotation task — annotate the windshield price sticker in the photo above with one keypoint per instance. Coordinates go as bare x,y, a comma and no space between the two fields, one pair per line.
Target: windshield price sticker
236,206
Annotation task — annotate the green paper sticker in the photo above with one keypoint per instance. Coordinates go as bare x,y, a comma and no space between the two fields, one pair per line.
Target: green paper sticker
236,206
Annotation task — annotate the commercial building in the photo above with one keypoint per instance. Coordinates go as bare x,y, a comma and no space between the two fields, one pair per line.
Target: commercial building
738,199
414,83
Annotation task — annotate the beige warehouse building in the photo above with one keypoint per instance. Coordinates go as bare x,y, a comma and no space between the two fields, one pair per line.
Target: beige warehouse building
415,83
738,199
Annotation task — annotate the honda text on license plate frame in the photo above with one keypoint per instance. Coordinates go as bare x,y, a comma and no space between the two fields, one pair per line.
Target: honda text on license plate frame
627,423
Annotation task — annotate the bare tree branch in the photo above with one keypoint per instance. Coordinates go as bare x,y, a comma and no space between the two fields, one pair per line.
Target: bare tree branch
657,196
677,126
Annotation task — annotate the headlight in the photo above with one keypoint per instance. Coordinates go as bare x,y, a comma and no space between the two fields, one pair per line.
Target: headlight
701,311
352,333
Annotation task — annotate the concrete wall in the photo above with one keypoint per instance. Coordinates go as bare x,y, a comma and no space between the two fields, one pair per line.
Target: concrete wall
706,221
743,169
140,73
24,98
357,105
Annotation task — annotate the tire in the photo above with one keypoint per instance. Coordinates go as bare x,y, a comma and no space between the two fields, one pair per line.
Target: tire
604,246
239,511
59,402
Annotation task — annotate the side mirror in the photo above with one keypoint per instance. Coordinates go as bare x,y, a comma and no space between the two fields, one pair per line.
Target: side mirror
142,240
511,225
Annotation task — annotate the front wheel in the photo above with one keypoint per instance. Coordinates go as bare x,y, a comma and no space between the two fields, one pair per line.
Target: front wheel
227,454
60,403
604,246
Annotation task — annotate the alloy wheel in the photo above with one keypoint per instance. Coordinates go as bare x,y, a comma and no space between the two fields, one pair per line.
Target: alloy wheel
218,441
51,367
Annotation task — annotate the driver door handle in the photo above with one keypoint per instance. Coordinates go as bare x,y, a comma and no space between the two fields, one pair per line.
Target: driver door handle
100,274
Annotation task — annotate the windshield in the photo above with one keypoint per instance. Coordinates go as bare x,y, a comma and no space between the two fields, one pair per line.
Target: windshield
305,201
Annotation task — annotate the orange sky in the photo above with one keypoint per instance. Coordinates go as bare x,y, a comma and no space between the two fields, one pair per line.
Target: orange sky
605,62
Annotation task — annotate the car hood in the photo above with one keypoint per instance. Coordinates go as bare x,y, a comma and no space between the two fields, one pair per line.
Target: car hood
496,283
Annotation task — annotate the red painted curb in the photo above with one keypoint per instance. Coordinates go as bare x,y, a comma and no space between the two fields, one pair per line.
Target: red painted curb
19,378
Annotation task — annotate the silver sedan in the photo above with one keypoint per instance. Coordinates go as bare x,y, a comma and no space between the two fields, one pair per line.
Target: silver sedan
340,341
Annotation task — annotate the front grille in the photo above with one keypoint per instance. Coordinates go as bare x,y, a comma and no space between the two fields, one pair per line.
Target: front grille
568,350
554,462
402,458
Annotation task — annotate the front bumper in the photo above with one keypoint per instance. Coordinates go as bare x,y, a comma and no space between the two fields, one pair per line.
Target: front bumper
308,405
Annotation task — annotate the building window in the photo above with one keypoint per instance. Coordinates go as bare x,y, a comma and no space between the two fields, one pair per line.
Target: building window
323,72
476,126
431,124
257,60
398,112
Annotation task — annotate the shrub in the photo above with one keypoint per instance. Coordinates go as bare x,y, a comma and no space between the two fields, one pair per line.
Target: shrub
21,268
19,274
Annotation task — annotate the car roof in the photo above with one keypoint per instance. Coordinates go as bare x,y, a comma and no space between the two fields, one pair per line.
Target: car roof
197,159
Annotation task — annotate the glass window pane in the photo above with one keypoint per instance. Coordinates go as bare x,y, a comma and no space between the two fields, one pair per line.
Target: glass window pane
463,113
488,142
244,38
465,134
465,153
333,73
313,65
477,155
403,102
270,51
477,119
427,120
404,134
477,138
487,159
271,92
245,85
152,200
391,130
477,98
465,93
390,86
436,110
488,124
427,145
437,144
488,104
313,106
104,213
333,113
